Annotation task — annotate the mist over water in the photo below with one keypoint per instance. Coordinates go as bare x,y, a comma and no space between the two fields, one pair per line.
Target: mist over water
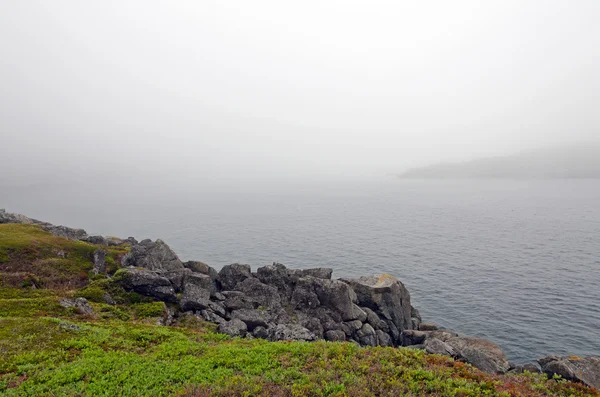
517,262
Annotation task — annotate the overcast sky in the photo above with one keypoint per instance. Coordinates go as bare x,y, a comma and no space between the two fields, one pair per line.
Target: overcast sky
304,88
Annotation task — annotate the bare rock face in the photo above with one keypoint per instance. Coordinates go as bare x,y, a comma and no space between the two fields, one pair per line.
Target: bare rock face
156,256
386,296
584,370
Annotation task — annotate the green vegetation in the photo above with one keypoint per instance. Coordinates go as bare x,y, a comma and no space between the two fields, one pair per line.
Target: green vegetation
47,350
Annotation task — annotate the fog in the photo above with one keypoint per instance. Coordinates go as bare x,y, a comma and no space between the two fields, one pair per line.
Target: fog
197,91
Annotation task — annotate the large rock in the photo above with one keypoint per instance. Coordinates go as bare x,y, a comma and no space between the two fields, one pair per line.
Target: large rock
278,276
146,282
436,346
252,317
338,296
304,296
366,335
480,353
201,267
231,275
194,298
264,295
80,305
387,297
335,336
584,370
151,255
99,261
234,327
201,280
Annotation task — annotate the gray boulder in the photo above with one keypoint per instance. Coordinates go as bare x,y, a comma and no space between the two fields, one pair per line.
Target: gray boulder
146,282
278,276
151,255
584,370
428,327
234,327
194,298
436,346
98,240
80,305
201,267
384,339
252,317
366,335
201,280
231,275
387,297
260,332
99,261
304,296
374,320
335,336
176,277
264,295
480,353
338,296
210,316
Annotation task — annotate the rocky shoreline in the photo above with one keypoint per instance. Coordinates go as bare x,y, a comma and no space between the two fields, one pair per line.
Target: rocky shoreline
277,303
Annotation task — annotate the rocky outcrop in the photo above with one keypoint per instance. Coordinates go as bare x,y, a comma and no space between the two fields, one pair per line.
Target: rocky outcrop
61,231
584,370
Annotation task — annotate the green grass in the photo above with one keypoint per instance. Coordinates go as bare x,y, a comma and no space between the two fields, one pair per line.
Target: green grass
47,350
30,255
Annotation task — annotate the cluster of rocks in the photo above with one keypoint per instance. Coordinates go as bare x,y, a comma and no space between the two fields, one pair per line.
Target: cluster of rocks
278,303
274,302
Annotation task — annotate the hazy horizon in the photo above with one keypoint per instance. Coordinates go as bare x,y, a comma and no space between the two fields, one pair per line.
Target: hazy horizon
268,90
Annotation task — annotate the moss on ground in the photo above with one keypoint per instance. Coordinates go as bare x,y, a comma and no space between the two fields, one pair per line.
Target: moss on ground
46,350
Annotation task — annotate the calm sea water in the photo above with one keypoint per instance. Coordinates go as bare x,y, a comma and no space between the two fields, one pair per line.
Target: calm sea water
517,262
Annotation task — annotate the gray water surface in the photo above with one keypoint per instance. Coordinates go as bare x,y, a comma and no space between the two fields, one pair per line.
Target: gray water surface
517,262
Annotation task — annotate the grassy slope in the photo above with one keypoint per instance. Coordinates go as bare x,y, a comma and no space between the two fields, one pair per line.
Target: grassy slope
48,350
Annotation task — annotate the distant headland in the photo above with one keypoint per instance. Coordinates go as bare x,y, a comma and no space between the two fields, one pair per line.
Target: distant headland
572,161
